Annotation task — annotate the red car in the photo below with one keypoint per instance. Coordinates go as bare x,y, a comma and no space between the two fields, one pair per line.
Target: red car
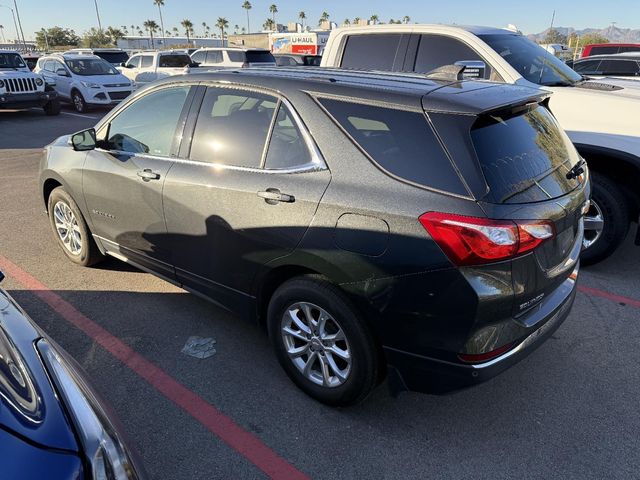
609,48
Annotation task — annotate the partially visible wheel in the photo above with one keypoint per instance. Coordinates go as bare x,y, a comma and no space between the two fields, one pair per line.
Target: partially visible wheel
78,102
321,341
70,229
606,224
52,107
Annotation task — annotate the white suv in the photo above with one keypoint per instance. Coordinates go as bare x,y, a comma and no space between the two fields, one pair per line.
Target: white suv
85,80
233,57
600,117
148,66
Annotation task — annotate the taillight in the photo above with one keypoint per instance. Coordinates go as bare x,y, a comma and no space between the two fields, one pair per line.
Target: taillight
484,357
474,241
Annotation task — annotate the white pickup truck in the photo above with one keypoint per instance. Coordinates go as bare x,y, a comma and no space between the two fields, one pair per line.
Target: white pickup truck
21,89
148,66
600,117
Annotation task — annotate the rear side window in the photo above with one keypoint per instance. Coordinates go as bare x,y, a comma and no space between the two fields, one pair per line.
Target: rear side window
400,142
604,50
287,148
619,67
371,52
524,158
232,127
214,56
260,57
174,61
235,56
146,61
437,51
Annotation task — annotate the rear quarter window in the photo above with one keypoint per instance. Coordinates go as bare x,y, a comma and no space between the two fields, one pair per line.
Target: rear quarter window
371,52
401,142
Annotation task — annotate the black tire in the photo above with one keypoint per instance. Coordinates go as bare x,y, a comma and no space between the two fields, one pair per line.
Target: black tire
52,107
610,200
78,102
364,370
88,254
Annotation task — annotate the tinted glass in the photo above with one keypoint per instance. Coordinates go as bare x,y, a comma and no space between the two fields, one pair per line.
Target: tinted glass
174,61
232,127
525,158
113,57
11,60
134,62
371,52
236,56
401,142
214,56
199,57
619,67
287,148
148,125
91,66
589,67
629,49
437,51
57,66
48,66
531,60
260,57
604,50
146,61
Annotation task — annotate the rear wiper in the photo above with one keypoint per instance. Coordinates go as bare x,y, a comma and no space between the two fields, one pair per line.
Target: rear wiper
576,170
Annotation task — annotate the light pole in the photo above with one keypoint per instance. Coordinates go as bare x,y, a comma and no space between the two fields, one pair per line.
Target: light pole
24,44
14,22
97,14
46,38
4,40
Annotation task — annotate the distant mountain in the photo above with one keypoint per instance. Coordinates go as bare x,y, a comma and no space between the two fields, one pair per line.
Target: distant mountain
613,33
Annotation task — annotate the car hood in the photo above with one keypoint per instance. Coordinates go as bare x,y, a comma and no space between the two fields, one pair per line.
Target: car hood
105,79
28,403
17,74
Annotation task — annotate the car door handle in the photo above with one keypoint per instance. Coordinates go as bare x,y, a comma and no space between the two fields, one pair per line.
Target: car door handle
272,196
147,175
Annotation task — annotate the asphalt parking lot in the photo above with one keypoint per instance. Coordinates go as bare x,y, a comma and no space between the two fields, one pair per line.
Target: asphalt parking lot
570,410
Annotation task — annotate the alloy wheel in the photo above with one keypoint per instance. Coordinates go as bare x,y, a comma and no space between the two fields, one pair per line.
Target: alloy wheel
316,344
593,225
67,228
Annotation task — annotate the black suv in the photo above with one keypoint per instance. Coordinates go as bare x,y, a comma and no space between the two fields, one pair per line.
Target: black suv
365,220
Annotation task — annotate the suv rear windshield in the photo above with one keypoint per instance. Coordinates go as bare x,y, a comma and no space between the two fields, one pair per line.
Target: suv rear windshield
259,57
174,61
113,57
525,158
401,142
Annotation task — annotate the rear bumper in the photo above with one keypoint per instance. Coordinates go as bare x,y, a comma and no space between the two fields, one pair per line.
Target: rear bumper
26,100
431,375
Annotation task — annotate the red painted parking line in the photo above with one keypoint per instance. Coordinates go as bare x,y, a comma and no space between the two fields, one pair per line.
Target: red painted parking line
242,441
609,296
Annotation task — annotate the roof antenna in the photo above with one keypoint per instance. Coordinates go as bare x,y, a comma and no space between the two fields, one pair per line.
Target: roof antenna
447,72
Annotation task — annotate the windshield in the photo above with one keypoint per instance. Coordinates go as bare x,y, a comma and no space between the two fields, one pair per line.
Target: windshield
174,61
531,60
91,66
115,58
11,60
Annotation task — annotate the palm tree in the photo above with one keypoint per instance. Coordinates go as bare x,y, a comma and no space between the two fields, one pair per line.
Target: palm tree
406,19
207,31
235,29
114,34
175,31
188,28
133,29
244,30
356,20
374,18
273,9
140,32
167,33
268,24
160,4
152,27
124,29
222,23
302,16
247,6
323,18
204,28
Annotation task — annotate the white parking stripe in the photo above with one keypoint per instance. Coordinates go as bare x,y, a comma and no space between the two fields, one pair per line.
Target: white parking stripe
79,115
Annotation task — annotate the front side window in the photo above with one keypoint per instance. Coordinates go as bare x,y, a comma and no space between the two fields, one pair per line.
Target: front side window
134,62
371,52
588,67
199,57
91,66
401,142
531,61
149,124
174,61
232,127
436,51
287,148
58,66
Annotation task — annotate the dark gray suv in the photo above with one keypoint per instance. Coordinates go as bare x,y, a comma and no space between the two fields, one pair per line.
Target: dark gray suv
429,225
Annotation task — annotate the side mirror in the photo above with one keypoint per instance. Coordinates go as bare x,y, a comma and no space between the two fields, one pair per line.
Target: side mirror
474,68
84,141
123,64
194,64
62,72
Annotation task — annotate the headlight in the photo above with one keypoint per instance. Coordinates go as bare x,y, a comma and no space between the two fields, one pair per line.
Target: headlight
90,84
39,82
103,449
1,83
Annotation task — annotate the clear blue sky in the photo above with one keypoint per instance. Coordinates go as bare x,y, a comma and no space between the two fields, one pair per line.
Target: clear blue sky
529,16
